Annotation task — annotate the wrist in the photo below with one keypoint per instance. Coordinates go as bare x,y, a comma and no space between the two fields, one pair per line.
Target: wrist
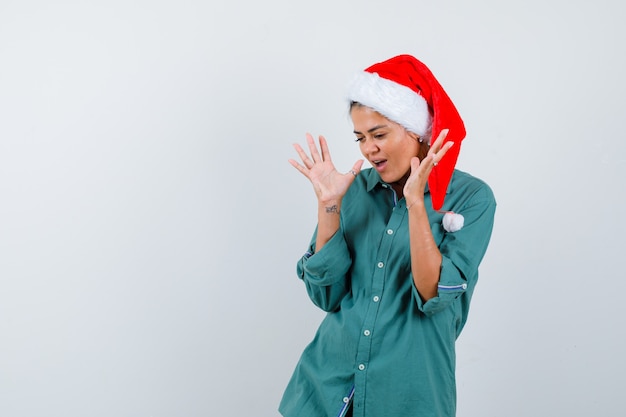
414,201
329,206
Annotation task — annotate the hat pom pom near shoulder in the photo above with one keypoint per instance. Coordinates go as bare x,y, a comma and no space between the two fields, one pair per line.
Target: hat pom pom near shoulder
453,222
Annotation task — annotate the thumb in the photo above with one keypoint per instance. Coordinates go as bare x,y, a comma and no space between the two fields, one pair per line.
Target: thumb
357,166
415,164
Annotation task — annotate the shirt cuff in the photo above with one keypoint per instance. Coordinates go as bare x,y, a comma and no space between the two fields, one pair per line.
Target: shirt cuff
327,266
450,287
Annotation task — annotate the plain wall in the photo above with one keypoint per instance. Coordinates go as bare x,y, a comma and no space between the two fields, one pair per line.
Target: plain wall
150,223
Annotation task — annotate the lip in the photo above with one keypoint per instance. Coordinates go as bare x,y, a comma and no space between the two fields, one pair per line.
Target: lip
379,166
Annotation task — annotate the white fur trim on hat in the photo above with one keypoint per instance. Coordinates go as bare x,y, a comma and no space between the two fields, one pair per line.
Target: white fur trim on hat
394,101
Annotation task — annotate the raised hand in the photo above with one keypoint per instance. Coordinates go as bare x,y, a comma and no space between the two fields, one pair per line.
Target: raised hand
329,184
420,170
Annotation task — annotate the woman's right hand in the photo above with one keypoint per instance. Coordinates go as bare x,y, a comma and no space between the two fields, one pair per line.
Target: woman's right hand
328,183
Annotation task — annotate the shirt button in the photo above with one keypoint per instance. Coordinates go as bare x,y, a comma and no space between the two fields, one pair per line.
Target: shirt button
367,333
376,299
389,232
346,400
361,367
380,264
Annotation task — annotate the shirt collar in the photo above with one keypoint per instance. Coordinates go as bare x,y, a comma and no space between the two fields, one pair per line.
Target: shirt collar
373,179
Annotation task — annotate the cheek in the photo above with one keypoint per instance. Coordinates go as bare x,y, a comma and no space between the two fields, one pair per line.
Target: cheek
406,149
414,148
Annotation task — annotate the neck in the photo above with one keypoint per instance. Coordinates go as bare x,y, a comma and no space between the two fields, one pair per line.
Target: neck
398,186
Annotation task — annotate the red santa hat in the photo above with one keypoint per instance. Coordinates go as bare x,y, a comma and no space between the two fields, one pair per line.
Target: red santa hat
405,91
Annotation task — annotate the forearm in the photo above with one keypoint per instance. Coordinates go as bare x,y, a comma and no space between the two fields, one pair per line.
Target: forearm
425,255
327,222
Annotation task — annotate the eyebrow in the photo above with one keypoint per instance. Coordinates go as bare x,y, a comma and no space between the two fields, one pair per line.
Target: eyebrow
370,130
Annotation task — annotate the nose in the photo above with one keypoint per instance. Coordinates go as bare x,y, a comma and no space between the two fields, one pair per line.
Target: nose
368,147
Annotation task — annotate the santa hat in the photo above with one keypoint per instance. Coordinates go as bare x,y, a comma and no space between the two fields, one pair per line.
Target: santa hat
405,91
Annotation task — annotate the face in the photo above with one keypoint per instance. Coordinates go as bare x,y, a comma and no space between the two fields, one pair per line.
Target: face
388,146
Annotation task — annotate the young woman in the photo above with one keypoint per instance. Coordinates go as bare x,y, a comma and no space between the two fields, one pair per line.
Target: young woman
394,258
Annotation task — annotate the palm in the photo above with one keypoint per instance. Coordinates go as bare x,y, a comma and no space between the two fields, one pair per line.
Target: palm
420,170
328,183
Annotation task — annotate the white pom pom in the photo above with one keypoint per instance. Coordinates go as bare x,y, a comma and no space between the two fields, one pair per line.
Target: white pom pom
453,221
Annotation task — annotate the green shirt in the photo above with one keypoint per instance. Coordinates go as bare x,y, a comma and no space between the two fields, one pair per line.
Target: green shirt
380,347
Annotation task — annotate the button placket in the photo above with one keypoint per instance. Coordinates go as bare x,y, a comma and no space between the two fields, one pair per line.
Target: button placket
363,354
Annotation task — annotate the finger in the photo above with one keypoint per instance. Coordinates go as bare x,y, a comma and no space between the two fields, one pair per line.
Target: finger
434,153
299,167
356,168
358,165
303,156
315,155
324,148
437,144
415,164
436,157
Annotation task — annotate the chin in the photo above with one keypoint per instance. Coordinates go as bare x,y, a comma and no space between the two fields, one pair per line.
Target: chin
391,179
395,179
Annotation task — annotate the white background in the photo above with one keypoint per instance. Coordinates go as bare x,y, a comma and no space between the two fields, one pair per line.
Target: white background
150,223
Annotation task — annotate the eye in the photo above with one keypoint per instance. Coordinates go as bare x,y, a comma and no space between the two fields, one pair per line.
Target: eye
379,135
359,138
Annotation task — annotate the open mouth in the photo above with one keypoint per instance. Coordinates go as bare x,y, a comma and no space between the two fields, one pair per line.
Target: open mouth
379,164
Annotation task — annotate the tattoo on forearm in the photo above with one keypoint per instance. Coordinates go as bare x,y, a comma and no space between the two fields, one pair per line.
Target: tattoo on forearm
332,209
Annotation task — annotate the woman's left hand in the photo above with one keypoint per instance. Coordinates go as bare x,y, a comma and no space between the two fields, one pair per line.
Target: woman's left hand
420,170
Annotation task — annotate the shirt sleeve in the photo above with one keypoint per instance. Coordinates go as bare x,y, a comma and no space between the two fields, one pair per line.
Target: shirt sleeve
325,273
462,251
